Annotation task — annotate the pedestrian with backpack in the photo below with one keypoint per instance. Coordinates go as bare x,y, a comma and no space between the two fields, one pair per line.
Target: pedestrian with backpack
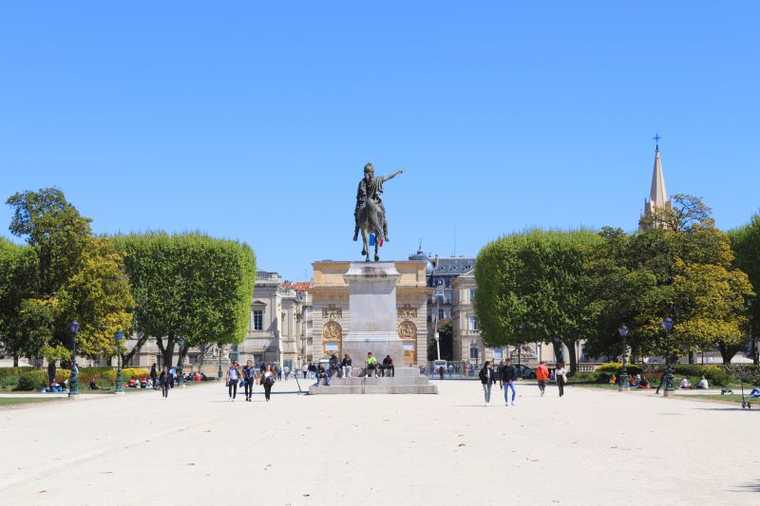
249,375
268,381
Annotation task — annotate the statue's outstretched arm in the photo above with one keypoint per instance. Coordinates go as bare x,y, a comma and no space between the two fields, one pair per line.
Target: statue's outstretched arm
397,173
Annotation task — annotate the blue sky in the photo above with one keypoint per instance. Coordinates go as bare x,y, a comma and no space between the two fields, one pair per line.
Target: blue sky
253,121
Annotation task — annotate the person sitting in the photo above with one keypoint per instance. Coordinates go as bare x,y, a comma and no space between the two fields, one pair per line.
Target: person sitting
644,383
685,383
635,381
93,385
132,383
755,393
371,365
703,385
388,368
613,380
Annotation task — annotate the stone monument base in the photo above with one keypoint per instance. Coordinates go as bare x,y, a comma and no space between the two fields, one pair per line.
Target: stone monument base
407,380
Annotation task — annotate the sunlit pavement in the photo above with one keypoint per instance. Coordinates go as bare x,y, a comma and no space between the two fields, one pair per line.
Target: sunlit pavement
589,447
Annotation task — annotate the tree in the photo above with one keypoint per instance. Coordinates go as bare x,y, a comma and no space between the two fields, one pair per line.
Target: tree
713,302
189,289
746,245
534,287
67,275
21,326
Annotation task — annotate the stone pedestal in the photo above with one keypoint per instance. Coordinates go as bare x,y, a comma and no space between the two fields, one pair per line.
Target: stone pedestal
372,303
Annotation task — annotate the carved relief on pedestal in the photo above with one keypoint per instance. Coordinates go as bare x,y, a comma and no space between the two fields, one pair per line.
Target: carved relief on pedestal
407,330
332,337
332,312
407,312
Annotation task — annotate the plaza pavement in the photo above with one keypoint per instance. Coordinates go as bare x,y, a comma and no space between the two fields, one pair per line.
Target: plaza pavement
591,447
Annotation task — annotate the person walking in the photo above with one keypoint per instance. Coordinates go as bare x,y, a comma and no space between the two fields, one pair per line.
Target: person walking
508,376
542,375
487,379
233,376
249,376
164,380
346,364
561,375
153,377
268,380
172,376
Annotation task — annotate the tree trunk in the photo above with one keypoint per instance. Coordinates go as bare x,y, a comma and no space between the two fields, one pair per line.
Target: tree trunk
691,356
558,355
755,354
182,353
573,357
15,360
726,353
167,350
135,349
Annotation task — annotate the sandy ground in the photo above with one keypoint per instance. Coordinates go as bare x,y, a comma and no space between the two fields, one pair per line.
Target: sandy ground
590,447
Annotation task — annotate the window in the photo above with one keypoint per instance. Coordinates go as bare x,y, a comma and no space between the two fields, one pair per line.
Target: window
258,320
474,351
473,323
472,295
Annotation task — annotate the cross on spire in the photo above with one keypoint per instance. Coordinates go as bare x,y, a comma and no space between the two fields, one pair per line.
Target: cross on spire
656,140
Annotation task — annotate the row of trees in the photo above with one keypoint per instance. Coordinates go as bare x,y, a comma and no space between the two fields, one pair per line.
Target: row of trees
185,290
562,287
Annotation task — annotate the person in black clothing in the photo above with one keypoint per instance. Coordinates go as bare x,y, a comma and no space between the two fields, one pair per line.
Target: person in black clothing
153,377
440,372
163,381
249,374
508,376
333,365
388,368
487,379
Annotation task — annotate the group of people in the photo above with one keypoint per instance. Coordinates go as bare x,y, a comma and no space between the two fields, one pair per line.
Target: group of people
343,368
506,375
247,377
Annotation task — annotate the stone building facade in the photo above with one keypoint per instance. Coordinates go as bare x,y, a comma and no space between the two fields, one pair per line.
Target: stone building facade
331,315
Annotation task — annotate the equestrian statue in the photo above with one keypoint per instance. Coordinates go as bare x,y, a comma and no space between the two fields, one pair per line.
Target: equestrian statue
369,213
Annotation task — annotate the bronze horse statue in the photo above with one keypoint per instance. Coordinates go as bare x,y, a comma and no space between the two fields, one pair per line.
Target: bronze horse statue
370,220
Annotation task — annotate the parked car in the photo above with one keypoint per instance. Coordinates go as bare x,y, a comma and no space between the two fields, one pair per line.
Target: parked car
525,372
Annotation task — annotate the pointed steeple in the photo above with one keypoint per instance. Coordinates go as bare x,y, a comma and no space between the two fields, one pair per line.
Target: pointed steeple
657,194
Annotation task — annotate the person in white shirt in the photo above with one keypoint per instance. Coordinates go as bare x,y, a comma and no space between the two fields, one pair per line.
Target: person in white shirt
561,376
703,385
685,383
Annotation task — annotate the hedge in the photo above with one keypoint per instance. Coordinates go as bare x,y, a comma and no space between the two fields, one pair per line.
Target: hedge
28,378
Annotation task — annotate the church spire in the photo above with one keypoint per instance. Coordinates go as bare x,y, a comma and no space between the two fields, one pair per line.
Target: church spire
658,195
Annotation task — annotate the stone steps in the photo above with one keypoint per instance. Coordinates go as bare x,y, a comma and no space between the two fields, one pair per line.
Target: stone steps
406,381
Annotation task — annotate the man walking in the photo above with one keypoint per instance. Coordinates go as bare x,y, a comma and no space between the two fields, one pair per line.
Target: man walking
508,376
487,379
542,376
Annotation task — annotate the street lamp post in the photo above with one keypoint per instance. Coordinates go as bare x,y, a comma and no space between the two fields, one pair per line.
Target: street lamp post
119,388
667,325
74,377
624,383
219,372
180,372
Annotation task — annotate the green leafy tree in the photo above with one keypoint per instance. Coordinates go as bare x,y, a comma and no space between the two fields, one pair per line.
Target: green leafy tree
189,289
534,286
68,275
746,245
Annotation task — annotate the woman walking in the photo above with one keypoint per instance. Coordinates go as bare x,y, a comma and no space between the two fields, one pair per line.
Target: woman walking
233,376
249,374
487,379
561,375
268,380
163,380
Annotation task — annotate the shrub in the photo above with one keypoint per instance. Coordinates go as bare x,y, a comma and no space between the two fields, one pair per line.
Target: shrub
135,372
715,374
8,381
616,367
25,383
585,377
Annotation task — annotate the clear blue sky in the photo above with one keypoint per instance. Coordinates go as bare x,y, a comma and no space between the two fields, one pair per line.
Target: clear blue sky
253,122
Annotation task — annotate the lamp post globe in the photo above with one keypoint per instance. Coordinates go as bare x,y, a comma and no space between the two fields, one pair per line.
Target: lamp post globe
667,325
74,377
624,384
119,388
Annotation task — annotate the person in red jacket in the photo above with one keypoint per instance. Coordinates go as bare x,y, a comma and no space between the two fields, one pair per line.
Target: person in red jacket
542,375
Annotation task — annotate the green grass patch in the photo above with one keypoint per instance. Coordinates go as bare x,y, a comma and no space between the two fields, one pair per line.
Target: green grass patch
12,401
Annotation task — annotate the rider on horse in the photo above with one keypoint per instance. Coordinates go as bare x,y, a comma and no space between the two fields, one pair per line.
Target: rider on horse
371,187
